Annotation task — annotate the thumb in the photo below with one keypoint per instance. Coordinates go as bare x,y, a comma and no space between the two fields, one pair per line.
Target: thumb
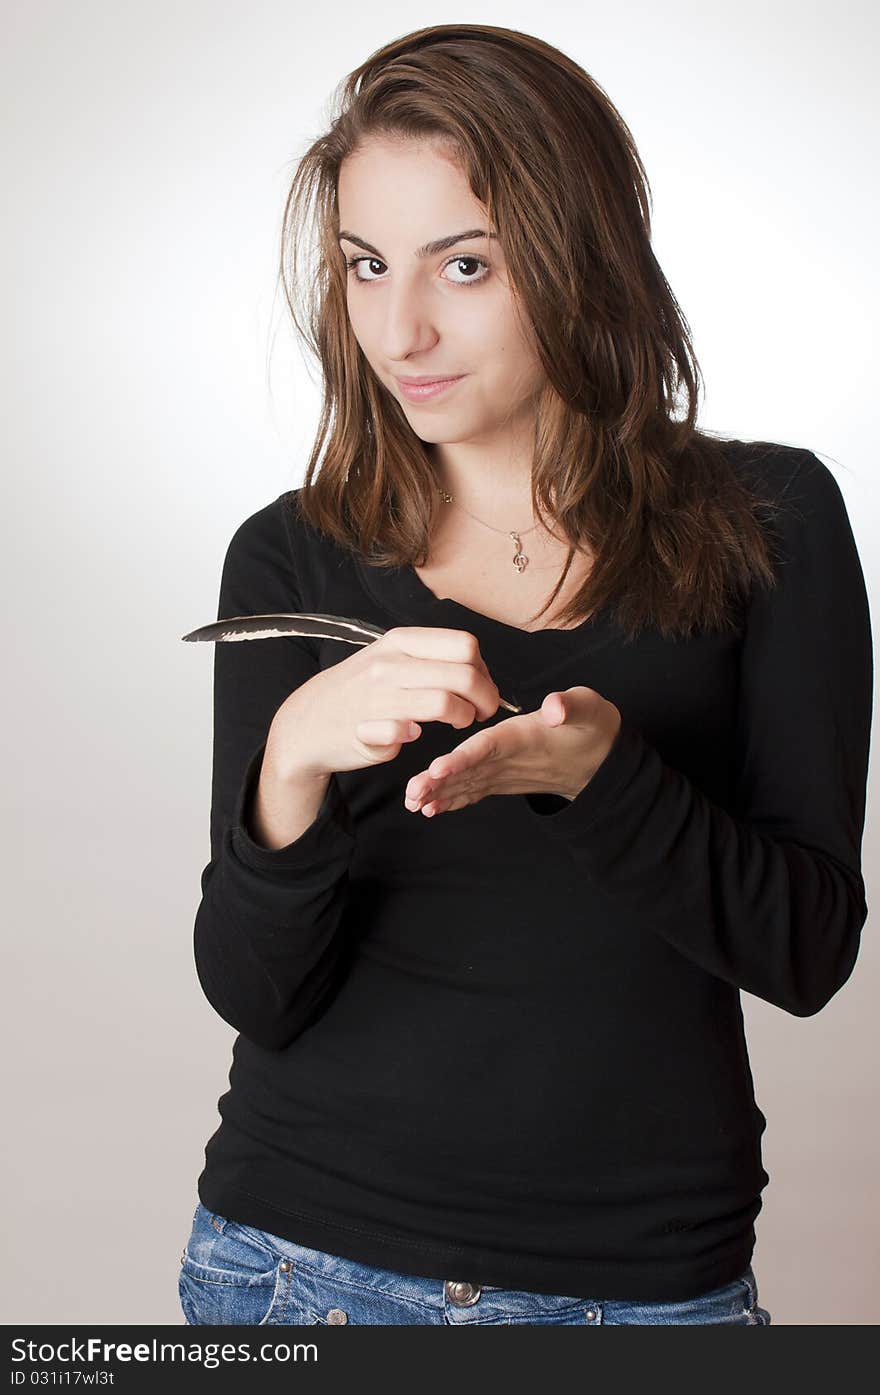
553,709
559,708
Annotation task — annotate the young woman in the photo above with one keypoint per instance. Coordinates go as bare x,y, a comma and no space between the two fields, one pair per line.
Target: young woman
491,1065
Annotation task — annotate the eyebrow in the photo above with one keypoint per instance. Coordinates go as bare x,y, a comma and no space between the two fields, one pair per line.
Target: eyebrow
430,249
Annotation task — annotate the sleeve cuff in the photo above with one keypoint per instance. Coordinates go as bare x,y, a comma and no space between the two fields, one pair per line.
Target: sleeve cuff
330,835
561,817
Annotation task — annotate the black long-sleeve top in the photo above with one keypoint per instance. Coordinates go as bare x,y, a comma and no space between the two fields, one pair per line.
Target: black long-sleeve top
506,1044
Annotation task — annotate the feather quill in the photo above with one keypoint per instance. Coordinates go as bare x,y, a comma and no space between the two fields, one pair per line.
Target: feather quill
238,627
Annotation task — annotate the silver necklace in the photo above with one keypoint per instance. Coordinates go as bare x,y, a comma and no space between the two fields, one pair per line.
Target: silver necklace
520,560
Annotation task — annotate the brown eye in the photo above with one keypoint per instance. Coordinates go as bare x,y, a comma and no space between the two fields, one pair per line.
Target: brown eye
470,262
354,262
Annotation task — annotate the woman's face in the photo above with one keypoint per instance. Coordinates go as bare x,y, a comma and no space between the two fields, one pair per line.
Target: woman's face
444,313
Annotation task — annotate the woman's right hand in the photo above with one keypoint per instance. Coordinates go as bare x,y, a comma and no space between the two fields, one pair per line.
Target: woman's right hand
359,712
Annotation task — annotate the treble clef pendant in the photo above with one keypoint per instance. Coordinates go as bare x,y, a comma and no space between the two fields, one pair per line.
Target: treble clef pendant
520,560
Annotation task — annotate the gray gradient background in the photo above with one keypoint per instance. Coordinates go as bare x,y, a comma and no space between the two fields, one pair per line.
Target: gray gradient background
154,397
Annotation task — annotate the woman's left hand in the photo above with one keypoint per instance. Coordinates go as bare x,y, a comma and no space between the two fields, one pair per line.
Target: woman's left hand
555,750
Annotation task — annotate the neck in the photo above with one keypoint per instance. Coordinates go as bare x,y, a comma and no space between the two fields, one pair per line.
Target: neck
495,516
491,480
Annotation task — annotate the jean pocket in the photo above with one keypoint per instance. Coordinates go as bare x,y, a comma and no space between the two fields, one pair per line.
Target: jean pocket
230,1275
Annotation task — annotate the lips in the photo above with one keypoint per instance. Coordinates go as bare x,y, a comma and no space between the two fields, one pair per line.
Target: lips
423,382
422,389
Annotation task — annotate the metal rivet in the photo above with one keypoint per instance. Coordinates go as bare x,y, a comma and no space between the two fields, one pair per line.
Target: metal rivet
336,1315
284,1265
462,1293
590,1314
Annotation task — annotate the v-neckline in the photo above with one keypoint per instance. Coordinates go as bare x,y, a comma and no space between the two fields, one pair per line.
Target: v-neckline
525,664
431,600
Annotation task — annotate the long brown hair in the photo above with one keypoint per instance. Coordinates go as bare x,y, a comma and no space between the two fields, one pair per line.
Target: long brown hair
619,465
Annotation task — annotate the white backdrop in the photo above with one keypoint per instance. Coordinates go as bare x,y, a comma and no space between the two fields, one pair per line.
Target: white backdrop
154,397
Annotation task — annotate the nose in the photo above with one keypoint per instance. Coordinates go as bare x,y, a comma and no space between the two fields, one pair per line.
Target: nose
409,326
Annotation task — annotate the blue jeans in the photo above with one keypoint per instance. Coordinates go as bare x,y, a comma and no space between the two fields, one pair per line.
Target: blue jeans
235,1274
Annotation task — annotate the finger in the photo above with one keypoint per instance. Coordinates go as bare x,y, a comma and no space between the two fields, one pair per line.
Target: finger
553,711
445,772
438,796
448,805
465,679
464,757
387,731
431,781
420,793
